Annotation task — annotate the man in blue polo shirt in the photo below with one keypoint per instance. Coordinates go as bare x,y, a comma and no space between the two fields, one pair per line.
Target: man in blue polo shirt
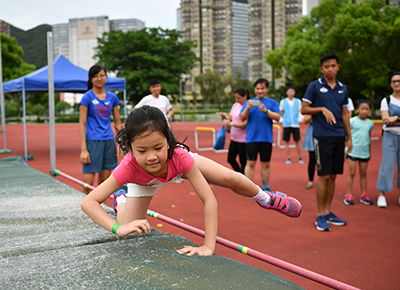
326,100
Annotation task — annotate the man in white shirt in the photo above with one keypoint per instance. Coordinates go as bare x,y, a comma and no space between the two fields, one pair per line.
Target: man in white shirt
157,100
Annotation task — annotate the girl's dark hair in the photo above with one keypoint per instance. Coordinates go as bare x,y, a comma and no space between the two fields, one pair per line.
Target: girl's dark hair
364,101
392,75
146,119
243,92
94,70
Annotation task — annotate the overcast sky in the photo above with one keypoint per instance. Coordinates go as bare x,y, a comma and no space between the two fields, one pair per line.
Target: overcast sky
27,14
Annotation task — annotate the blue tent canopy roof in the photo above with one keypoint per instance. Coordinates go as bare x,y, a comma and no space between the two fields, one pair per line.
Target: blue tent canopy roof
67,78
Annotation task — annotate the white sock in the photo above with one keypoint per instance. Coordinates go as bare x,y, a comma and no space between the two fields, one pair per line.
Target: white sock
262,198
121,199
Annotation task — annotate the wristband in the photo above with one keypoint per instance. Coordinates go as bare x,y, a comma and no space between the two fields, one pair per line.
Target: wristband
231,123
115,227
267,112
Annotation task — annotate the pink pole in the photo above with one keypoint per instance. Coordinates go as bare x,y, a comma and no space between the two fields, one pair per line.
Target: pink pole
244,250
86,185
258,255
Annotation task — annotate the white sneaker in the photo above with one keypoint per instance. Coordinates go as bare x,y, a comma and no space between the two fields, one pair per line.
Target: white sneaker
288,161
382,201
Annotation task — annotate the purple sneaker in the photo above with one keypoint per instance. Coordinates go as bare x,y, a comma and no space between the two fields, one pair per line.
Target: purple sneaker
284,204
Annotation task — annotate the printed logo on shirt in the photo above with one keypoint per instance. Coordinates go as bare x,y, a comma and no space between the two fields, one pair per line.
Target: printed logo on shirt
340,92
95,102
107,103
323,90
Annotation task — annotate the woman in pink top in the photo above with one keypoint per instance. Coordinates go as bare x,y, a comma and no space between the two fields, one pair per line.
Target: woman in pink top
154,159
238,131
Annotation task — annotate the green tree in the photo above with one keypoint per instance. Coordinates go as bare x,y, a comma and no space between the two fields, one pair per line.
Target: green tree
11,55
12,109
38,109
217,88
139,56
61,106
366,37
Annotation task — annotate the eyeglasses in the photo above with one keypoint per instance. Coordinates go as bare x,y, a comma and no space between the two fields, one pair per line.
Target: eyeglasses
395,81
99,77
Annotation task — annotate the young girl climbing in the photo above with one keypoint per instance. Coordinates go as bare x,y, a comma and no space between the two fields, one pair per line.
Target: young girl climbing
155,159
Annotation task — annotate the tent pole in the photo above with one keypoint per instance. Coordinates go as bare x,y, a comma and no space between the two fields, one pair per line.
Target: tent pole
125,104
24,119
3,110
51,101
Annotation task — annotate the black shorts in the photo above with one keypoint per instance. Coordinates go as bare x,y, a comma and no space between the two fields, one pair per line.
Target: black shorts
264,148
329,154
357,159
291,130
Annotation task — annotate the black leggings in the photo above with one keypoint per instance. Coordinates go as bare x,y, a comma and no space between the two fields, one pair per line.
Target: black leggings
235,149
311,165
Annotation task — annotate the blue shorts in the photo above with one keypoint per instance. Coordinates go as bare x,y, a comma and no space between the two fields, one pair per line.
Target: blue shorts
103,156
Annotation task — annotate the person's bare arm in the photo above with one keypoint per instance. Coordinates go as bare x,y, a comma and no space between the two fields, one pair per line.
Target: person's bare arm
84,157
306,109
347,130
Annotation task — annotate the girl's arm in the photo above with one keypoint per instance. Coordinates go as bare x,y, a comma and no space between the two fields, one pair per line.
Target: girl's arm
117,124
85,157
203,190
91,205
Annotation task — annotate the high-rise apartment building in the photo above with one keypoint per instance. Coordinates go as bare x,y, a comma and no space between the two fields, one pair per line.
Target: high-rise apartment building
4,27
77,39
268,23
236,34
219,29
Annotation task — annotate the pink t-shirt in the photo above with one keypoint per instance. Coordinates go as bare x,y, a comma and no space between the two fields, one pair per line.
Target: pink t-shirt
129,171
237,134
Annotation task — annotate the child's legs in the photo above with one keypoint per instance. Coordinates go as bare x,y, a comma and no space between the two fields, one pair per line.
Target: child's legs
242,156
232,153
296,138
252,154
363,176
103,175
89,179
286,138
135,208
249,169
287,150
352,173
265,150
217,174
265,171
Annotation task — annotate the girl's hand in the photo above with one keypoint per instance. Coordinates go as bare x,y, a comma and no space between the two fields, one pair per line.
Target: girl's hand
201,251
85,157
223,114
137,226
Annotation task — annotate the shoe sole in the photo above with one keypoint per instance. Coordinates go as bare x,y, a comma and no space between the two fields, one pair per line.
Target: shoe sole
366,202
335,223
347,203
321,229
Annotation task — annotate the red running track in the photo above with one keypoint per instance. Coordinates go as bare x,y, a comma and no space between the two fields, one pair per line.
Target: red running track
364,253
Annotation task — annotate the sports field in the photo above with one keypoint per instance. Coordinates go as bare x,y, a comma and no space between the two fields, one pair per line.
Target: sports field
364,253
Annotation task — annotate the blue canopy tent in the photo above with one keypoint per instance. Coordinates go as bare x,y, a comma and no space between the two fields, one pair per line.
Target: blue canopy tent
67,78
